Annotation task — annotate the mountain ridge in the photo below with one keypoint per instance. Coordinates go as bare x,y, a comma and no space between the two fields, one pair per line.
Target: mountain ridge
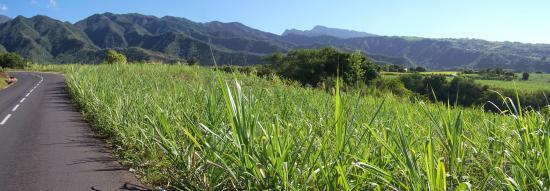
320,30
175,39
4,19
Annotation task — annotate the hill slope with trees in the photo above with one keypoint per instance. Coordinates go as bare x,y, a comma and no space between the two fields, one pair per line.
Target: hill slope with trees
172,39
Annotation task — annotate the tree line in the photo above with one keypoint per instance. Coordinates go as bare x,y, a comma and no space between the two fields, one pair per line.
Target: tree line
12,60
319,67
315,67
16,61
465,92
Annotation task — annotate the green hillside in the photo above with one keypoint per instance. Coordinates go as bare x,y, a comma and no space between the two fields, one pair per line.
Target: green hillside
442,54
172,39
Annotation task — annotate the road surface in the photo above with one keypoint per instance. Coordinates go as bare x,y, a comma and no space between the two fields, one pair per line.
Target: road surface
46,145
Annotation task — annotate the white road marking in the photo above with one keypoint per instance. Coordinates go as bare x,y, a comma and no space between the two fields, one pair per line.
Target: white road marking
22,100
15,108
5,119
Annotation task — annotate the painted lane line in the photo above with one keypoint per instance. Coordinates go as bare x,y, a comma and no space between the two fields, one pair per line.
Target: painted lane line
27,94
15,108
5,119
22,100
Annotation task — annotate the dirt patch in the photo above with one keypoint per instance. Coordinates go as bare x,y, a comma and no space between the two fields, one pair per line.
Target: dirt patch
6,80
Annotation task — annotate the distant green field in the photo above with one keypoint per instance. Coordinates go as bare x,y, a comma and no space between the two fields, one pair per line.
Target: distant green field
536,82
389,75
440,73
423,73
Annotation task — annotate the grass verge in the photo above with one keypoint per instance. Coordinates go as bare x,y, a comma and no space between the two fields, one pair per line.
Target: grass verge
3,80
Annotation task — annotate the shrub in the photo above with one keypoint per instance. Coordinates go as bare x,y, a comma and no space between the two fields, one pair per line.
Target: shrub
392,85
394,68
113,57
312,66
437,86
465,92
413,82
193,61
525,76
420,69
12,60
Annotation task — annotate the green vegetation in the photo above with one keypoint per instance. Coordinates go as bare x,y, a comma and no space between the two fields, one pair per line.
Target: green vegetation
190,128
442,73
12,60
113,57
3,79
402,69
171,39
492,74
316,67
467,92
536,82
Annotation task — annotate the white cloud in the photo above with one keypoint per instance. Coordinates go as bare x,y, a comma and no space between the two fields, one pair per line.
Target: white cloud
33,2
3,8
52,3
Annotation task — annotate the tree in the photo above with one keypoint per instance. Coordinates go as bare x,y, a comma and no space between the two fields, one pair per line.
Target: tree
193,61
437,87
355,71
113,57
395,68
525,76
12,60
413,82
274,59
316,66
465,92
420,69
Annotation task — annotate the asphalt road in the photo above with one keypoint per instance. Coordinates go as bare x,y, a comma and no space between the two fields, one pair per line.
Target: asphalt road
46,145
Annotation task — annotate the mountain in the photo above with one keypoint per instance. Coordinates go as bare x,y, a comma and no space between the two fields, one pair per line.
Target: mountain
172,39
325,31
4,19
442,54
179,37
44,39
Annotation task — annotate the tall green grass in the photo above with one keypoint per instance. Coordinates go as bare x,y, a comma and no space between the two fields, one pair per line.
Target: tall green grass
190,128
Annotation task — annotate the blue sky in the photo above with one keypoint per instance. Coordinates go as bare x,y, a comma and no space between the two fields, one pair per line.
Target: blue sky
502,20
